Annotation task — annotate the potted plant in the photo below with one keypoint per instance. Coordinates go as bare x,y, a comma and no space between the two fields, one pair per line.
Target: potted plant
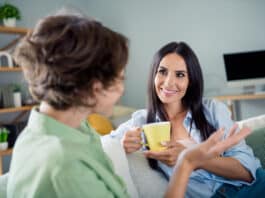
3,138
9,14
17,95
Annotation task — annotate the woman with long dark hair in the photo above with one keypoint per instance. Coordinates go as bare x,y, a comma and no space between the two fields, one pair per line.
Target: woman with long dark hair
175,94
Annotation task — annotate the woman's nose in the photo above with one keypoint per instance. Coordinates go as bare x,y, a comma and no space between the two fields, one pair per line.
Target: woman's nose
169,80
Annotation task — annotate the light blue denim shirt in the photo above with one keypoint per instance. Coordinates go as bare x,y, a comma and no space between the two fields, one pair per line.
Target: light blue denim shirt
219,116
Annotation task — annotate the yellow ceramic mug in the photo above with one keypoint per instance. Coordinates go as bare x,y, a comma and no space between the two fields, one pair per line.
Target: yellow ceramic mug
156,133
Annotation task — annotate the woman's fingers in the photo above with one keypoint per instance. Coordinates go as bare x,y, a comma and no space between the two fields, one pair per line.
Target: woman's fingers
232,140
168,156
159,155
233,130
131,140
213,139
213,146
132,147
172,144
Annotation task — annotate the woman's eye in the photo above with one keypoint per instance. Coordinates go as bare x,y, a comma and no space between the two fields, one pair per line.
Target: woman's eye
180,74
162,71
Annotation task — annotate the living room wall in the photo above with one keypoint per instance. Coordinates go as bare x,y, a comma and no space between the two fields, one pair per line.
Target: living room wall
210,27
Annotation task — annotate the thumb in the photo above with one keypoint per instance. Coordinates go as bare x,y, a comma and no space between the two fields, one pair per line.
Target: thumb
138,130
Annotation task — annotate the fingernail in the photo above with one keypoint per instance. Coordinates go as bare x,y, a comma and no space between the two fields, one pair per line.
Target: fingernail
163,143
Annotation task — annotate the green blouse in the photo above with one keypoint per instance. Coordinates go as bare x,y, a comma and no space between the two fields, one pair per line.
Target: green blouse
51,159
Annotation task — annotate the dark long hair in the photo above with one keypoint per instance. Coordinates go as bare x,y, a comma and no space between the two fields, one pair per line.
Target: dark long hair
193,97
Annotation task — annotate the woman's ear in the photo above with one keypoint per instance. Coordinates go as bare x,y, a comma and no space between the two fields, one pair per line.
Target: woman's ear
97,85
95,94
98,89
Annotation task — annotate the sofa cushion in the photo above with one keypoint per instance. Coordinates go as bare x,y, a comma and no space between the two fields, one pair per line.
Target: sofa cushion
116,153
149,183
100,123
140,179
257,142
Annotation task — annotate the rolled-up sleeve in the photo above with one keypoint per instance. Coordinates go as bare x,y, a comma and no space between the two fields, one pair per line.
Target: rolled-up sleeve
242,152
137,120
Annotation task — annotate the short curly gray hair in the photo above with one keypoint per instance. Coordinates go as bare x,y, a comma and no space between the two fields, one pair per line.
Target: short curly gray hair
64,55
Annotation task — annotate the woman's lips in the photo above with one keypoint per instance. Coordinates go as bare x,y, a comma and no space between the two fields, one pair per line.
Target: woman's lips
168,92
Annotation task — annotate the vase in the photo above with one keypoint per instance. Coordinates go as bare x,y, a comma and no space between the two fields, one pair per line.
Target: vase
11,22
3,145
6,59
17,99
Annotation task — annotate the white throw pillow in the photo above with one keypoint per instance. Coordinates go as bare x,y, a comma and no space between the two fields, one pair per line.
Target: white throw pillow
253,122
149,183
116,153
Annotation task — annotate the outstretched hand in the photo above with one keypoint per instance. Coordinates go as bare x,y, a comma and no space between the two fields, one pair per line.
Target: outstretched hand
214,146
193,157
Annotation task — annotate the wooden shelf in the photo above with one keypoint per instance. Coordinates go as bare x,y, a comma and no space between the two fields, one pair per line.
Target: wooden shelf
6,152
15,109
13,30
8,69
19,32
241,97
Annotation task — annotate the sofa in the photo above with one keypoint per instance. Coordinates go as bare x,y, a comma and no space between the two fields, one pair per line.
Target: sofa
148,183
141,180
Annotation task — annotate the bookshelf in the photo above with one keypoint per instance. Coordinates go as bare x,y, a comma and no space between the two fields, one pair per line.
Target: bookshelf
21,31
18,32
3,69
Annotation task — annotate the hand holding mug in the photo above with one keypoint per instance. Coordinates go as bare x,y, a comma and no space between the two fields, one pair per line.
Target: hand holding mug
132,140
169,155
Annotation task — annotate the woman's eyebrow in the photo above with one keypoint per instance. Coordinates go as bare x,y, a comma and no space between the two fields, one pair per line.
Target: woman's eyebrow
183,71
163,67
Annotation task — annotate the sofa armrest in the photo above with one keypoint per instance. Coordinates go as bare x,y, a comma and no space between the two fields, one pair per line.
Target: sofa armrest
257,142
253,122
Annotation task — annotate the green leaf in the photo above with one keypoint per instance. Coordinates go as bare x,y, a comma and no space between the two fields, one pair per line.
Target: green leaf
9,11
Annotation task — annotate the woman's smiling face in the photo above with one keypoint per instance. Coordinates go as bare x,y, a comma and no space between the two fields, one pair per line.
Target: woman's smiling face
171,80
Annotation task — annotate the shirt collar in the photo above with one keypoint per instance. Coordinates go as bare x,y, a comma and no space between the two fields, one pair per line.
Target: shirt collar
42,123
187,117
186,122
